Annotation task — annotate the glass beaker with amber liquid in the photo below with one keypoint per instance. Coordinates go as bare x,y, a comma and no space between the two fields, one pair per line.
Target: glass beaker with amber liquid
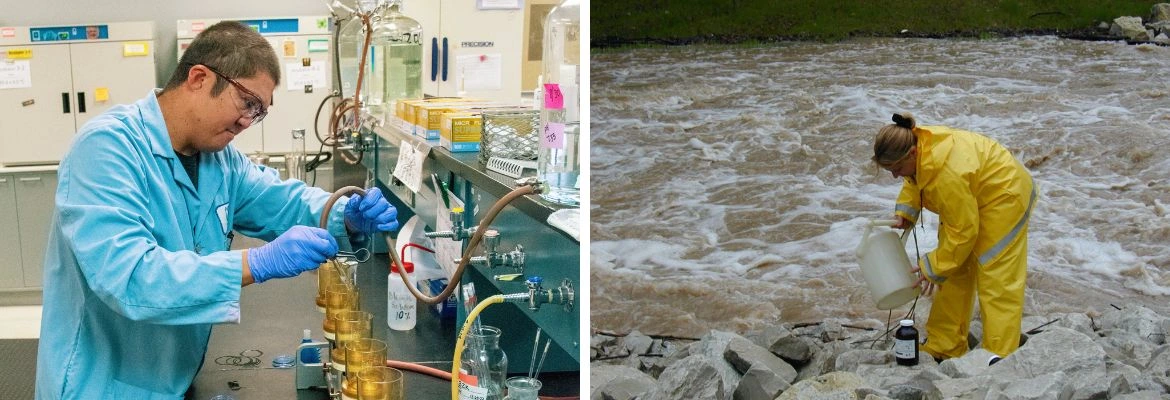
338,298
360,354
380,383
326,275
351,325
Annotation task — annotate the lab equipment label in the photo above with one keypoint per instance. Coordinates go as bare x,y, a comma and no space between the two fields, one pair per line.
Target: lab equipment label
553,136
15,75
904,349
553,99
468,392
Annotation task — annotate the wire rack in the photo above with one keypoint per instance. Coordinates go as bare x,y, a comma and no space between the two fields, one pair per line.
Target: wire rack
509,134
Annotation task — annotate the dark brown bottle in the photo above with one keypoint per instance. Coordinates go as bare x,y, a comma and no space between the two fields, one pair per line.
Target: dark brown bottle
906,343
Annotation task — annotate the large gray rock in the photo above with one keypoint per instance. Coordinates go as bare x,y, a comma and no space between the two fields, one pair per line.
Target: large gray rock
1138,320
694,378
1125,347
852,360
636,343
793,349
617,382
1057,349
745,355
971,364
1142,395
823,360
1129,27
713,346
759,383
1160,12
962,388
831,386
1043,387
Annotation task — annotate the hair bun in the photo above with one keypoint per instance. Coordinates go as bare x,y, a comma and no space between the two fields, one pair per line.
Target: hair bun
903,121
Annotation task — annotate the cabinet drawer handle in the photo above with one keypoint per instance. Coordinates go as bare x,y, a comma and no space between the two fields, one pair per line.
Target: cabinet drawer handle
3,180
32,179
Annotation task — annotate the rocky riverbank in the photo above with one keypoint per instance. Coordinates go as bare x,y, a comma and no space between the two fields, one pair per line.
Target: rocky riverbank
1118,354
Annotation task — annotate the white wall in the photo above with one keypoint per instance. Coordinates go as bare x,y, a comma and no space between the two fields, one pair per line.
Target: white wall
164,13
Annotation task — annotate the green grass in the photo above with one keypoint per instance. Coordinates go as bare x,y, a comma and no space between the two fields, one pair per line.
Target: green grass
732,21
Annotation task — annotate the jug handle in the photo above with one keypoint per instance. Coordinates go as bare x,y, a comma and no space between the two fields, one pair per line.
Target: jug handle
864,239
878,222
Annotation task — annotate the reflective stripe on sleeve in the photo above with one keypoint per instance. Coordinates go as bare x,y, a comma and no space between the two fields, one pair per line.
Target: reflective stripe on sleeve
908,210
929,270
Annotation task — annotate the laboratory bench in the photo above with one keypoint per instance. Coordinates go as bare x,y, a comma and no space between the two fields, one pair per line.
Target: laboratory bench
274,314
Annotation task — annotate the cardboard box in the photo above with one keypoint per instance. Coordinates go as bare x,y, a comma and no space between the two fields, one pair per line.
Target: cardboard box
461,131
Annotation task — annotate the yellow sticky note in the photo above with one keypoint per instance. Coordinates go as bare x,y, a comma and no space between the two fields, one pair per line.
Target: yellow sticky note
18,54
101,94
290,48
132,49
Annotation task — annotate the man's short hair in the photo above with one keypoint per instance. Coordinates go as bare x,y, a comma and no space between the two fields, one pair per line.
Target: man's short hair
234,49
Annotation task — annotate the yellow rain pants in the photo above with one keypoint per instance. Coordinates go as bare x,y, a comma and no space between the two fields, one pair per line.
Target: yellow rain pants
983,197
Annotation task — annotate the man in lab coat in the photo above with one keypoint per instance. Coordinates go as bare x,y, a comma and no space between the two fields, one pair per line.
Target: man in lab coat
138,266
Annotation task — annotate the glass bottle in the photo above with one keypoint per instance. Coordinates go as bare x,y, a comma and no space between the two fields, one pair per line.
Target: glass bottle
558,165
906,343
350,38
395,60
483,366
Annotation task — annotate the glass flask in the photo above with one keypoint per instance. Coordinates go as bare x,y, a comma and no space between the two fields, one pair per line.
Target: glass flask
557,163
394,66
483,366
522,388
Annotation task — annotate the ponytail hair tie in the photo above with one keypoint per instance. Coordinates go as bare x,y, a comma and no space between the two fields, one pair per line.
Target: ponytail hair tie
903,121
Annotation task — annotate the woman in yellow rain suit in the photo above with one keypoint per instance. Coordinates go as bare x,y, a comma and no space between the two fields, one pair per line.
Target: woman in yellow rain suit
983,197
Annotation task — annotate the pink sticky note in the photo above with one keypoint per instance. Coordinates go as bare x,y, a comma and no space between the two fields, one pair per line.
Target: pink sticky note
553,99
553,136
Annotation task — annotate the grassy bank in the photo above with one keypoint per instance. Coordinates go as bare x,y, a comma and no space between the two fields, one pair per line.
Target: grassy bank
623,22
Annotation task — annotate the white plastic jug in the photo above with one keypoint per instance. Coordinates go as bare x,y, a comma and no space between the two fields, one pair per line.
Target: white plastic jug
885,266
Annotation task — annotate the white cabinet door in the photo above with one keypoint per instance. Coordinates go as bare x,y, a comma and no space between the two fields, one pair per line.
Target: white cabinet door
11,269
35,194
116,68
293,108
480,50
36,122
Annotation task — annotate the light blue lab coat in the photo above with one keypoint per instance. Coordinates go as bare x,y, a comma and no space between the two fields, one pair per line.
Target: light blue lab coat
137,268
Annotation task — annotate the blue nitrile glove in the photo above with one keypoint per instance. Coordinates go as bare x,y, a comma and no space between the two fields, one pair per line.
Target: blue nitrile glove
301,249
371,213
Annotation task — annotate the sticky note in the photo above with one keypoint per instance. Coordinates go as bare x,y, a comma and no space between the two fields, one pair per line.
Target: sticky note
290,48
133,49
18,54
553,99
553,136
101,94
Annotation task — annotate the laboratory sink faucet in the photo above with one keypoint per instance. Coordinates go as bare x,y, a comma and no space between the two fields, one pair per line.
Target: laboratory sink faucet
457,232
494,258
537,295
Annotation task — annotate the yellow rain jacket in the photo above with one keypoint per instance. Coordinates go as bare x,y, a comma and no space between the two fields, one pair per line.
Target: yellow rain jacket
983,197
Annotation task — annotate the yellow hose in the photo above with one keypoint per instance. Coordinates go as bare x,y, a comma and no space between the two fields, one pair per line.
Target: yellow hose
462,336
